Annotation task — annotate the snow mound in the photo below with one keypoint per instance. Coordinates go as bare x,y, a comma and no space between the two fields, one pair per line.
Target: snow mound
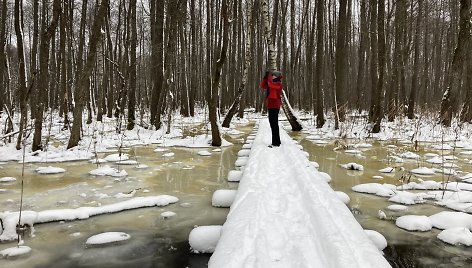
116,157
50,170
448,219
362,145
168,214
377,177
350,151
325,176
423,171
168,155
241,161
15,251
343,197
234,175
223,198
387,170
98,161
129,162
384,190
377,238
7,179
414,223
244,152
456,236
353,166
203,239
407,198
107,238
108,171
315,164
204,153
397,207
160,150
409,155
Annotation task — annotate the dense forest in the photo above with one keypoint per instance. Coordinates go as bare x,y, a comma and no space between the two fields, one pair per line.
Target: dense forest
128,59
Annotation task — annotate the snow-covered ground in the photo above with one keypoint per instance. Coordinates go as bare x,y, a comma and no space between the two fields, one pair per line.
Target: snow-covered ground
286,215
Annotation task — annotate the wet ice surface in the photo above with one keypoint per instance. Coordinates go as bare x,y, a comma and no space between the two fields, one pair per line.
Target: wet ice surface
405,249
157,238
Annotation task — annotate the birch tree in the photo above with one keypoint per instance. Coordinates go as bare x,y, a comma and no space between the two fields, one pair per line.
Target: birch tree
296,126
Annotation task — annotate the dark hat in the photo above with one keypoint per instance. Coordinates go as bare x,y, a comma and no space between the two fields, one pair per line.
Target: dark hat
277,73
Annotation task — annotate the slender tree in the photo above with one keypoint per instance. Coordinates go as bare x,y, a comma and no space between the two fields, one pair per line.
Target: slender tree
449,101
341,63
416,63
320,120
132,66
23,94
3,25
81,90
296,126
48,32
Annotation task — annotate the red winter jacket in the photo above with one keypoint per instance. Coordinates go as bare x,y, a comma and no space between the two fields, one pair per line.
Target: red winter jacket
273,100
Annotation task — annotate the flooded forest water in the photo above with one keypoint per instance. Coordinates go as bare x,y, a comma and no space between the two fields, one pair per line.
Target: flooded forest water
163,242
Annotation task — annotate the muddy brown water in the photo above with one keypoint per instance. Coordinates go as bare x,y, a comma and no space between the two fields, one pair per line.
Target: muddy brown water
158,242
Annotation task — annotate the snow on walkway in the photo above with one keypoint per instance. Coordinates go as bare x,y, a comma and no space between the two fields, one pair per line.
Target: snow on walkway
286,215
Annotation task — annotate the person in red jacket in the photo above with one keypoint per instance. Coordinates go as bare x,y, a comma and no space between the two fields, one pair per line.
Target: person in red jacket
272,84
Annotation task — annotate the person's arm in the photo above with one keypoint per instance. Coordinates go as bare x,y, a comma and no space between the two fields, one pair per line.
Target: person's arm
264,83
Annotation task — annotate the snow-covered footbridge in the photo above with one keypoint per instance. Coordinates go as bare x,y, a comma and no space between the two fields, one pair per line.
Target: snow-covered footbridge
285,214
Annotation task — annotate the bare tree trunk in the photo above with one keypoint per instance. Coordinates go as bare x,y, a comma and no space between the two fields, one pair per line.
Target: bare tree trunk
213,87
374,76
132,67
234,106
47,33
320,120
292,119
341,64
157,40
3,58
416,67
23,94
85,73
378,111
364,39
449,101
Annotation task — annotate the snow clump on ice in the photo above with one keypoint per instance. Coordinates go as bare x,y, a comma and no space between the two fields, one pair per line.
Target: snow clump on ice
106,238
50,170
235,175
456,236
203,239
223,198
353,166
414,223
377,238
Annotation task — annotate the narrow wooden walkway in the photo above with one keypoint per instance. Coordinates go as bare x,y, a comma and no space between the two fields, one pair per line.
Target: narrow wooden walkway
286,215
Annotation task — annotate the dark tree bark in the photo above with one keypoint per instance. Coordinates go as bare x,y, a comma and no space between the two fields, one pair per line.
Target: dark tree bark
22,92
47,33
378,111
132,67
85,73
320,120
242,85
341,64
374,64
213,87
157,40
3,91
363,43
416,67
449,100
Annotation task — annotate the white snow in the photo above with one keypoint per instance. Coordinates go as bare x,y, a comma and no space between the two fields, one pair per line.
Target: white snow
409,155
108,171
343,197
116,157
15,251
7,179
285,215
203,239
223,198
414,223
167,155
50,170
168,214
456,236
10,219
234,175
407,198
244,152
325,176
241,161
422,171
387,170
106,238
375,188
377,238
448,219
204,153
397,207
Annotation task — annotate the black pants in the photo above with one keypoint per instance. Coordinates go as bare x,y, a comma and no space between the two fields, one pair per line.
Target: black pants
274,125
